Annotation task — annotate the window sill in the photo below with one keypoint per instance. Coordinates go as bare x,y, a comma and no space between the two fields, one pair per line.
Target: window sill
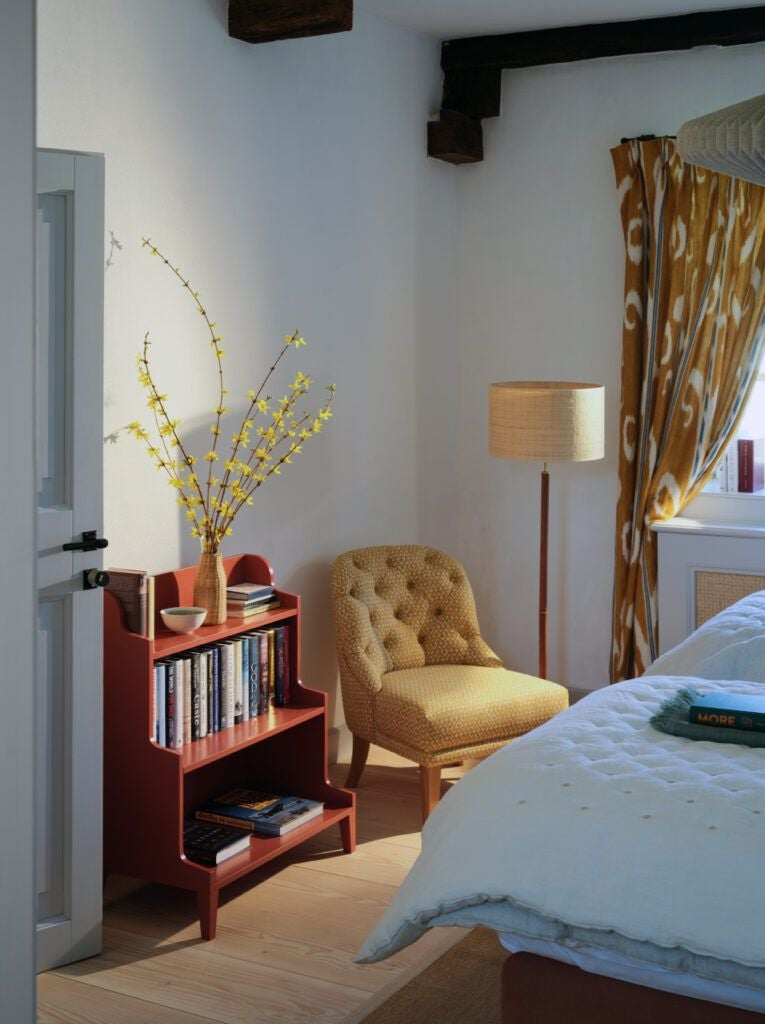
711,527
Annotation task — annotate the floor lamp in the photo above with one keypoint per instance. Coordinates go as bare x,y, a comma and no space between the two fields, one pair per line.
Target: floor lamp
545,421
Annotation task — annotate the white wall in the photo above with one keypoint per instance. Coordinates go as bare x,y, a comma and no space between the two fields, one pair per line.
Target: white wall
290,182
17,594
540,274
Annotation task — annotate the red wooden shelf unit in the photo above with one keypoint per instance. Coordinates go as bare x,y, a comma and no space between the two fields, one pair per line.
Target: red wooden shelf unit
149,790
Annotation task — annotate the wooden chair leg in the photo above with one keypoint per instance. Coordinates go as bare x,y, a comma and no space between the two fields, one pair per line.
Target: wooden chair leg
430,784
358,761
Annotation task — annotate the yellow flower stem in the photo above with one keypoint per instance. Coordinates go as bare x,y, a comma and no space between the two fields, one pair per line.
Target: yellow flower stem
253,410
184,281
163,411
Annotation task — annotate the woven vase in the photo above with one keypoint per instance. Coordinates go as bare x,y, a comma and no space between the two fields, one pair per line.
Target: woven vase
210,588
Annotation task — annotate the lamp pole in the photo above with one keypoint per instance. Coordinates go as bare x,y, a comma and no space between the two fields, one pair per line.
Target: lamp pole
544,518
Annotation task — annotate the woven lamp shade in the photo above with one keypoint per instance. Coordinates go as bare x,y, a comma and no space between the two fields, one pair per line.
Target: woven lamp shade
546,421
731,140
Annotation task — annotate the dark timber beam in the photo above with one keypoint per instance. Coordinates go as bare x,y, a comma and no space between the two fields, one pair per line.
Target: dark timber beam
264,21
473,66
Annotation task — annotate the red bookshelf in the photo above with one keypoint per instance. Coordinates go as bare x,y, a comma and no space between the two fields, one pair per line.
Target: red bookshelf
149,789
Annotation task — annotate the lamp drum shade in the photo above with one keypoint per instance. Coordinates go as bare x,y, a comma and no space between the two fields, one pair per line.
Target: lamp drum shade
546,421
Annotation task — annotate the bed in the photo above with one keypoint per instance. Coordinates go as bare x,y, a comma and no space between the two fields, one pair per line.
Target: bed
612,858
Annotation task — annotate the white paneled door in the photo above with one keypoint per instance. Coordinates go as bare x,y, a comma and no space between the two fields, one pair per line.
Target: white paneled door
69,281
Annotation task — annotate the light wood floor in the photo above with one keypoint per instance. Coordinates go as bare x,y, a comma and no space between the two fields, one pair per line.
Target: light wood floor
286,934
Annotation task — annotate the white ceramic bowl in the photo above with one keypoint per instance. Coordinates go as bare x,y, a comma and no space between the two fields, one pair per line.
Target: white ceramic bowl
183,620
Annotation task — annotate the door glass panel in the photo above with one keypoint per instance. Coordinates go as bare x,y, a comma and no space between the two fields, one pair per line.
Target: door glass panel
53,756
53,350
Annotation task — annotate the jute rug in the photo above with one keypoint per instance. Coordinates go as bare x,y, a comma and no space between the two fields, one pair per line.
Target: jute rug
461,987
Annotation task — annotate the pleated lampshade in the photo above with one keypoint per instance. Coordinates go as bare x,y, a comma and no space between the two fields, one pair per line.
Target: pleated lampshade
546,421
731,140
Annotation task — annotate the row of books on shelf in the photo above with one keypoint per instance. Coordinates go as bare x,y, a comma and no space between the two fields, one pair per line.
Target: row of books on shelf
212,688
742,468
225,826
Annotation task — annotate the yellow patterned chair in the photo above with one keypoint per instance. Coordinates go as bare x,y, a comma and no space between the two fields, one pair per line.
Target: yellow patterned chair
417,676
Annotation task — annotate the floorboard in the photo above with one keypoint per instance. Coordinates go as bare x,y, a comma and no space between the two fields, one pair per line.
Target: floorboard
286,937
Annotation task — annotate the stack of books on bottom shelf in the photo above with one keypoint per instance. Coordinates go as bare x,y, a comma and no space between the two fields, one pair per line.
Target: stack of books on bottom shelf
265,814
212,844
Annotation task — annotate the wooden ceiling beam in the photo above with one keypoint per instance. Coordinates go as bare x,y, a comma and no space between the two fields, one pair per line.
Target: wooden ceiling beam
264,21
473,66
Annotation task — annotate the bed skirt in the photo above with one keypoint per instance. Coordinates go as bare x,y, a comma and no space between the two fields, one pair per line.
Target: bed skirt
536,990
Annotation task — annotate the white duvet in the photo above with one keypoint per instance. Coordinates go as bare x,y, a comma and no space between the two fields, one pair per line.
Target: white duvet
597,829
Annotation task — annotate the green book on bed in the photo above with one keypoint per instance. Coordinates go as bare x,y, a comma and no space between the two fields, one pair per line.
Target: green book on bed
729,710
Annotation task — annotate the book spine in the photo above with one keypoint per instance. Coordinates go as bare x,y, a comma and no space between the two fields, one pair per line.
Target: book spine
745,460
279,666
221,819
732,457
154,729
245,642
170,705
178,706
750,721
203,707
196,711
185,666
271,669
228,652
215,655
238,690
223,675
263,665
161,698
254,688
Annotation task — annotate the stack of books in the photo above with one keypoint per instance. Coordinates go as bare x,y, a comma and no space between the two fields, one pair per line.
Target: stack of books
245,600
264,814
216,687
212,844
729,711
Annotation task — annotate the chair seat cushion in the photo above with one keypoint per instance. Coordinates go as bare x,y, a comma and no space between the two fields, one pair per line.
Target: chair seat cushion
445,707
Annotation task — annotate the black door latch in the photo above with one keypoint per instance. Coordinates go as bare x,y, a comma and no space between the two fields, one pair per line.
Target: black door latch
89,542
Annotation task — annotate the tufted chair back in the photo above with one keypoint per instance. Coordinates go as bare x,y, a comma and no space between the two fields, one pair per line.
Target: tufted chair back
399,607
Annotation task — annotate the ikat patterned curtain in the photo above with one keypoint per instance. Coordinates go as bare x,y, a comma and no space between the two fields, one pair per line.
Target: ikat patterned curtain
693,336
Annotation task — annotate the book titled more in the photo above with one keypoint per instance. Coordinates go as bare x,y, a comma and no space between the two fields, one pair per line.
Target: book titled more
729,710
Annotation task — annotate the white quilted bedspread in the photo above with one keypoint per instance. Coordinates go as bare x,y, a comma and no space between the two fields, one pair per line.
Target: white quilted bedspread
599,822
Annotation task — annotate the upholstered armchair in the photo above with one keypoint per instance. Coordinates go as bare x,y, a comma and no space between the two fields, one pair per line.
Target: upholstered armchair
417,676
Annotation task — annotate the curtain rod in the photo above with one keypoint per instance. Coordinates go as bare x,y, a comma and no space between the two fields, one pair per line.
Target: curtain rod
645,138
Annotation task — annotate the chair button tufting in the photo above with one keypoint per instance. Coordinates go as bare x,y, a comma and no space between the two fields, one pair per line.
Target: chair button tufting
410,585
438,612
422,638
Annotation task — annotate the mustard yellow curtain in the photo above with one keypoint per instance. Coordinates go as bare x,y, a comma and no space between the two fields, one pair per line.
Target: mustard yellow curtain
693,335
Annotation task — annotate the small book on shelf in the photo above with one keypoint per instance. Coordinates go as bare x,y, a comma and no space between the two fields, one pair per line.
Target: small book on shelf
132,587
209,843
249,592
729,710
247,611
265,814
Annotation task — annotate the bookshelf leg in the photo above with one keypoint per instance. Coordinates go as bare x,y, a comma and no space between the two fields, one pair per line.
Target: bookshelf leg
348,833
207,908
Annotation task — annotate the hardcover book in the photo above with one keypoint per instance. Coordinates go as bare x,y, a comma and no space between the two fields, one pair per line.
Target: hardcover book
751,465
212,844
262,813
250,611
249,592
131,587
729,710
